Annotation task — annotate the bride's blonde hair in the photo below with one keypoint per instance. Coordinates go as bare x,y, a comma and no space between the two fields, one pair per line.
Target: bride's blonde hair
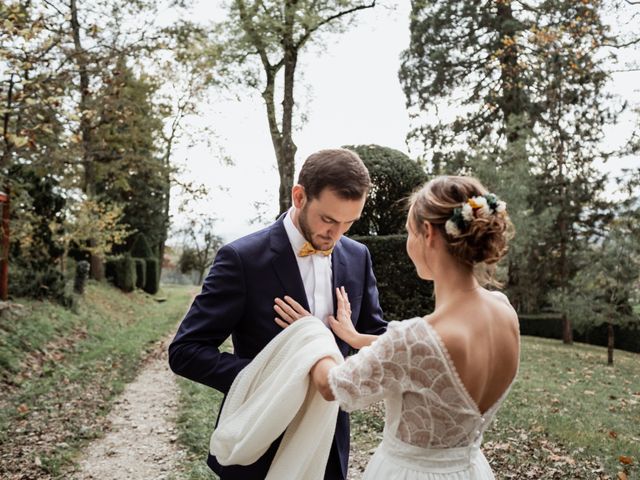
485,240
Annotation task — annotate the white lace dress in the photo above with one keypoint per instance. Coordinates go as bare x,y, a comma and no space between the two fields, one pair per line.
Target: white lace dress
433,428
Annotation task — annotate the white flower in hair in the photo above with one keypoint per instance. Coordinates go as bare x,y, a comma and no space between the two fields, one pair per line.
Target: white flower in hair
481,205
501,207
467,212
452,229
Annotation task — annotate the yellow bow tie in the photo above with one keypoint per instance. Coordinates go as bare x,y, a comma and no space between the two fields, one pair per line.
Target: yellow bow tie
307,249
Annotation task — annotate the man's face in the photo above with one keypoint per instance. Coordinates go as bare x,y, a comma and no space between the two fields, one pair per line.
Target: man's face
326,218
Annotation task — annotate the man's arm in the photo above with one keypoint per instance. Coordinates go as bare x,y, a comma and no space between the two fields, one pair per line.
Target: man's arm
195,353
370,320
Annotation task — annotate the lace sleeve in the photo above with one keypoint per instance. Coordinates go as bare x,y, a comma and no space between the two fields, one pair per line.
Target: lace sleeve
363,378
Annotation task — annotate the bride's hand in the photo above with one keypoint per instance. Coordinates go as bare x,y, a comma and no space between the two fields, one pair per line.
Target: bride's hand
341,324
289,311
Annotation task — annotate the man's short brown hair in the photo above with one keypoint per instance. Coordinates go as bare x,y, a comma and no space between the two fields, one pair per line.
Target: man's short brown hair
338,169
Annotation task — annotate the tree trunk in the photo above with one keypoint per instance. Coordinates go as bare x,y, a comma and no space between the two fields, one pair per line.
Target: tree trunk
4,261
567,330
563,225
286,164
610,343
276,137
89,181
512,100
6,151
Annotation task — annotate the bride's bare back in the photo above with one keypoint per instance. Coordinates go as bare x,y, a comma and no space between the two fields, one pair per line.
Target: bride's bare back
481,334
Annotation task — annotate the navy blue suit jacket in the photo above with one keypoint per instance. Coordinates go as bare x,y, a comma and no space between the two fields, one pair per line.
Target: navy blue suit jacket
237,299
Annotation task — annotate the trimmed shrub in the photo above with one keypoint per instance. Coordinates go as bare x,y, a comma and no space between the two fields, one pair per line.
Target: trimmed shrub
152,283
81,275
140,247
394,176
141,272
402,294
33,280
121,271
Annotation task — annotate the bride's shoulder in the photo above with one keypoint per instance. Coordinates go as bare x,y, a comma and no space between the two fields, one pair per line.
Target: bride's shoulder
500,296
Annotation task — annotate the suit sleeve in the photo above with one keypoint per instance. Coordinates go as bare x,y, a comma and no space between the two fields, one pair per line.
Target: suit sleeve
195,352
370,320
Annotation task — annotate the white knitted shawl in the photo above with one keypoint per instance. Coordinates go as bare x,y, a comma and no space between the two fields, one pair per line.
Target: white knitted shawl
274,393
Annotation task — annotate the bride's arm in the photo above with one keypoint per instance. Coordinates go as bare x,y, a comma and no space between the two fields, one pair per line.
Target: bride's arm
320,377
342,325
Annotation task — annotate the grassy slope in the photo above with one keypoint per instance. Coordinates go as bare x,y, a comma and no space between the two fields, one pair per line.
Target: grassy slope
60,370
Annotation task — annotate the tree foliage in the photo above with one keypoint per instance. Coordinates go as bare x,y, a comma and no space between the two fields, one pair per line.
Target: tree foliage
79,113
604,289
200,245
524,85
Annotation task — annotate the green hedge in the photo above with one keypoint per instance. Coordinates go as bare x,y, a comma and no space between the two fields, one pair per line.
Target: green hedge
402,294
121,271
550,326
140,247
141,272
152,282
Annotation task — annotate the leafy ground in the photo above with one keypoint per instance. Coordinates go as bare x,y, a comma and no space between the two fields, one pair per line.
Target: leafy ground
569,416
60,371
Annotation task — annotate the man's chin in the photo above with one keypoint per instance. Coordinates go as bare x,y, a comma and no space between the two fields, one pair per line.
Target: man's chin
323,245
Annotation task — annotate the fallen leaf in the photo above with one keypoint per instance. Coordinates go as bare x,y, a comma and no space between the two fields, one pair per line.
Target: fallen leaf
622,476
626,460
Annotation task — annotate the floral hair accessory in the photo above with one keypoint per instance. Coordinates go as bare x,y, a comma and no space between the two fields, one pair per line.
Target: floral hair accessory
482,206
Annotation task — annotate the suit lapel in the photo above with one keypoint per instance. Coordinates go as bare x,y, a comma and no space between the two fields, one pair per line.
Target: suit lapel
285,264
339,268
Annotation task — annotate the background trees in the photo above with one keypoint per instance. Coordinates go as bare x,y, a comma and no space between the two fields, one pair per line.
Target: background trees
199,248
526,81
80,134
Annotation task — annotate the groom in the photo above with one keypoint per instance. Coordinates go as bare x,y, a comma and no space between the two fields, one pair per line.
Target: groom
302,255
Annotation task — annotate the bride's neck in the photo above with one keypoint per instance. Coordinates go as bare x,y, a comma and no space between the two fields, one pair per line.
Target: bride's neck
454,282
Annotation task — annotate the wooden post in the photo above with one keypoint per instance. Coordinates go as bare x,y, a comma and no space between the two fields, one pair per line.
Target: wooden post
4,261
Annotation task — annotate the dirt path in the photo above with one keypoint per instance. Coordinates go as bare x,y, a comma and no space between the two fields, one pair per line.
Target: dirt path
141,443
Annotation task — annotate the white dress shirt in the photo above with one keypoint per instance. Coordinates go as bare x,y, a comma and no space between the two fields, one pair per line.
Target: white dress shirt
316,273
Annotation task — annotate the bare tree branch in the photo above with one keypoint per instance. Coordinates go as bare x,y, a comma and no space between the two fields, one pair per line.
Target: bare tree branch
329,19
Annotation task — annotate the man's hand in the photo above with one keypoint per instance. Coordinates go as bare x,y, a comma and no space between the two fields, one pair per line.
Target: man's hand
289,310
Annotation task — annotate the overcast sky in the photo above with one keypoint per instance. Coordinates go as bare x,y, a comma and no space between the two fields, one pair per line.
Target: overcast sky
350,95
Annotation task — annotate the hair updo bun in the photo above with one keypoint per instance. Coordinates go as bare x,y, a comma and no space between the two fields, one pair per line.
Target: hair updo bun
473,222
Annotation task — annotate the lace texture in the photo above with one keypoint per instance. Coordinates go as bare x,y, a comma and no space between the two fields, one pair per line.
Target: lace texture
427,405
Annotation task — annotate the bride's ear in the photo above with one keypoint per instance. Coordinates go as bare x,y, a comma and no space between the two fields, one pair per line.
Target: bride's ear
429,233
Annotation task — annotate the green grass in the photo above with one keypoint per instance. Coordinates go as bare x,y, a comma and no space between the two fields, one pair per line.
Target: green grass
199,406
569,395
62,370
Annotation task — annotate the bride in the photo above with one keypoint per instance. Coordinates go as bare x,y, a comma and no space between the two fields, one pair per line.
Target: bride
443,376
